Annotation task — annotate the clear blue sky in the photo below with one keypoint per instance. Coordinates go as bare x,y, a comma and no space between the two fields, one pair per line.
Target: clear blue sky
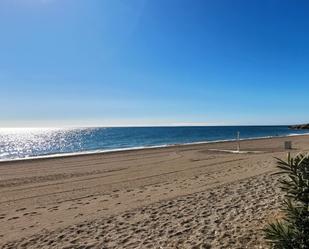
124,62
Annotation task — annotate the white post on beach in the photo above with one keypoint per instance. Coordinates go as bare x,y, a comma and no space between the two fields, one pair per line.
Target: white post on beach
238,143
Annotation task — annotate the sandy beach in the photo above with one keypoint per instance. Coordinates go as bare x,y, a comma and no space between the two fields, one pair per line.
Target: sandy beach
192,196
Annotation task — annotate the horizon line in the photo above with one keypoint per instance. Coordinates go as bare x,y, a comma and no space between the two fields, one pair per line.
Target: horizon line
138,126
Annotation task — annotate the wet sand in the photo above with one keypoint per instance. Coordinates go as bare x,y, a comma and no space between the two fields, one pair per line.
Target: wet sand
192,196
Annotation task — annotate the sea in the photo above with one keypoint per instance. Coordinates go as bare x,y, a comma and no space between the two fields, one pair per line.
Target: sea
22,143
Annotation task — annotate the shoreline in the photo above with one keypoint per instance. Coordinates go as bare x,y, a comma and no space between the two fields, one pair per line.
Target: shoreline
166,195
138,148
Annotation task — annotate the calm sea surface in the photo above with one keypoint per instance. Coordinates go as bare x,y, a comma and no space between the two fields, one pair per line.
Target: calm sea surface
27,143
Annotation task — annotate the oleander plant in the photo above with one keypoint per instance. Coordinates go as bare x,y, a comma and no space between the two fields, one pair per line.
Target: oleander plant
292,231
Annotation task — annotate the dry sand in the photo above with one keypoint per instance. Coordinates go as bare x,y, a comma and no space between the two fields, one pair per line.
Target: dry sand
189,196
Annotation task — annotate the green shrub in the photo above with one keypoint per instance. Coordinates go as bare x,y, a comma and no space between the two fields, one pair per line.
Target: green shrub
292,232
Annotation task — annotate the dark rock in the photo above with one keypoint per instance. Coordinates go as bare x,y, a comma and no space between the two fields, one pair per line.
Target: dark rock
300,127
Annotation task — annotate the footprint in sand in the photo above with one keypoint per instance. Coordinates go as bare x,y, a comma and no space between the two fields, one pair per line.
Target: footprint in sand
21,209
72,208
33,213
79,215
52,209
14,218
40,207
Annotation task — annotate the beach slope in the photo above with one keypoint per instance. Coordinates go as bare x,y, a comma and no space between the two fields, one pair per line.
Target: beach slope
192,196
